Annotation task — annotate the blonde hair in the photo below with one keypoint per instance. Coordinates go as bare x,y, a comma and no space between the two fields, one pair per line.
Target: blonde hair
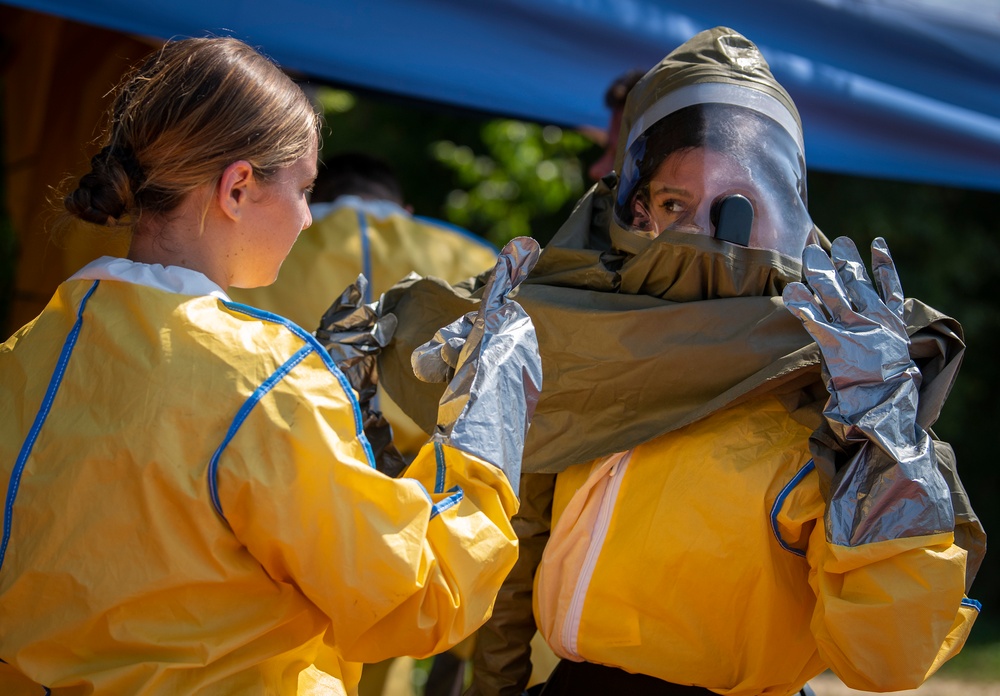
190,110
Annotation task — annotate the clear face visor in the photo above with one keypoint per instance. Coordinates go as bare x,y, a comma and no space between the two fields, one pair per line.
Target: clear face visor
725,170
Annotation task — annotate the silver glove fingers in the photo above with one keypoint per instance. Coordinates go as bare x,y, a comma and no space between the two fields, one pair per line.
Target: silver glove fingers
867,300
884,271
437,360
353,333
823,279
351,322
801,302
862,340
513,265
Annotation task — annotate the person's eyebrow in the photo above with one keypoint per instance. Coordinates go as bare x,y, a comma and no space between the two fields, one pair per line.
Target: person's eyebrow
663,188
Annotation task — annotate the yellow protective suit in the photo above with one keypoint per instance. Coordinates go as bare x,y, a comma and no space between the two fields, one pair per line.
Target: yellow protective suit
190,505
622,580
384,242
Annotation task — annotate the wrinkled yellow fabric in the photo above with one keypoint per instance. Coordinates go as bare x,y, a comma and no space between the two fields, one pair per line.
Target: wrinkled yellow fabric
120,577
352,239
780,597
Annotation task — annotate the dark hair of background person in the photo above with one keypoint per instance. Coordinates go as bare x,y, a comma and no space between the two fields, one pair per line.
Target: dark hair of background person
617,92
356,174
614,99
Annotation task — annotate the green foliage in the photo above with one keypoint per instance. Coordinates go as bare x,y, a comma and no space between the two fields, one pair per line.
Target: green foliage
528,174
400,133
419,675
335,101
498,178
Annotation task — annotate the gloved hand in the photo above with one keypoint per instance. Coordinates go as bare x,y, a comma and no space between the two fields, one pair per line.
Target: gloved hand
354,333
491,359
891,487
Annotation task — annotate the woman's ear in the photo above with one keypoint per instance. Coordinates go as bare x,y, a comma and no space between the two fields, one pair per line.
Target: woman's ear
234,185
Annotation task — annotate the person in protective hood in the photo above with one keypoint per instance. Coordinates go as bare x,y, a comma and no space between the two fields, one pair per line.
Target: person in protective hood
730,484
190,503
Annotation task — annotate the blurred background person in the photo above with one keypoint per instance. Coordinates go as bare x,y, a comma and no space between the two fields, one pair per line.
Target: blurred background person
361,225
614,99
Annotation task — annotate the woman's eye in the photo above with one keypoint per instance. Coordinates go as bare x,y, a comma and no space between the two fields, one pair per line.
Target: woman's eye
672,205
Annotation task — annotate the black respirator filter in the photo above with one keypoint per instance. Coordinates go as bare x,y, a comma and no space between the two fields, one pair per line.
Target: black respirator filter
732,217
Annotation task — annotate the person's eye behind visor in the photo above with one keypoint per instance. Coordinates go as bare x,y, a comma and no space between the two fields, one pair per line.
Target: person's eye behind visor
719,170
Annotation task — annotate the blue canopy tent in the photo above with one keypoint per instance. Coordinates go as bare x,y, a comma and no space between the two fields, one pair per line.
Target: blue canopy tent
902,89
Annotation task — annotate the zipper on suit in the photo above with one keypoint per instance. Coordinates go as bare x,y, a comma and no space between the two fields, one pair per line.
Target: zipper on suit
571,627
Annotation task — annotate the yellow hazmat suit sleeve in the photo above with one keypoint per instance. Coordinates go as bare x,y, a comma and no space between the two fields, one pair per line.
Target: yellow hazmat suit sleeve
400,566
13,683
910,589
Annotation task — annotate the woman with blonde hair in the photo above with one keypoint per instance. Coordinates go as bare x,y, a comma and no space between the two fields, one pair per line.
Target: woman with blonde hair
190,502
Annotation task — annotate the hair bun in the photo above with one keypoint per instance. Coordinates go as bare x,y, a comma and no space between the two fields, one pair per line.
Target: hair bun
103,196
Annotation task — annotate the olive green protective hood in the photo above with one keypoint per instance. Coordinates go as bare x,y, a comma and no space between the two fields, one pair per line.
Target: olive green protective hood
718,55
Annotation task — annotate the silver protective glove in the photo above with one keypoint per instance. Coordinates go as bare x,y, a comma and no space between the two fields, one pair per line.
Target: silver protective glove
890,488
354,333
491,359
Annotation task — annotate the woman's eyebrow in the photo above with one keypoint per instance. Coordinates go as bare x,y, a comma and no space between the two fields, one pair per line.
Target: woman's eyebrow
663,188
